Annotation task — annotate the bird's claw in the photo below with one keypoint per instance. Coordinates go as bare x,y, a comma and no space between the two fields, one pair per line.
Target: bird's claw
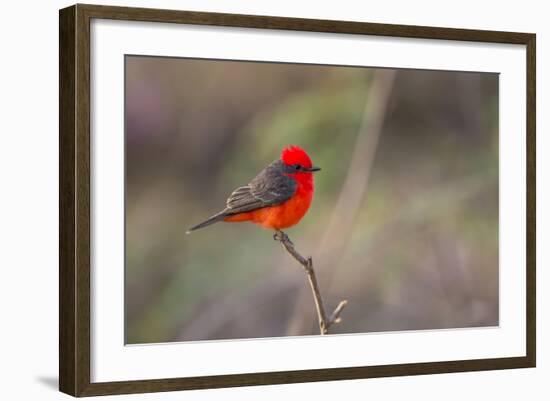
282,237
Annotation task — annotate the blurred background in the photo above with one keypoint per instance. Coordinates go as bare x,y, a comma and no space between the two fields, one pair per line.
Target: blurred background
404,222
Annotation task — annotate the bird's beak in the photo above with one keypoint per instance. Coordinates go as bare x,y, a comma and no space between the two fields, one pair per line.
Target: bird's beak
313,169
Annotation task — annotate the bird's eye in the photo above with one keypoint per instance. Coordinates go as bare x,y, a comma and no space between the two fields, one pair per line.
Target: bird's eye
296,167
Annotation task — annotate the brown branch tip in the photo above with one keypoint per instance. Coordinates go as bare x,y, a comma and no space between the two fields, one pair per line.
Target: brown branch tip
324,321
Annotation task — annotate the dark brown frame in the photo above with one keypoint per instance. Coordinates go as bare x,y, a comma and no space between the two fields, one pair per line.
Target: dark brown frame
74,199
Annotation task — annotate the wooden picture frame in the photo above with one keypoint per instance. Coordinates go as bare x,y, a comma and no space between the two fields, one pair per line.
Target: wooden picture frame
74,205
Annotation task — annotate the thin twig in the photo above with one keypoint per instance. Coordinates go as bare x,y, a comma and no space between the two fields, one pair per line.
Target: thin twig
335,238
307,264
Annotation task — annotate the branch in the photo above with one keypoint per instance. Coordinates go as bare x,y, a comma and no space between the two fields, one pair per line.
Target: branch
307,264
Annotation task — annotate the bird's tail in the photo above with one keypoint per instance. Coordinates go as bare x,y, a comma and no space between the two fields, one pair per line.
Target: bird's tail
211,220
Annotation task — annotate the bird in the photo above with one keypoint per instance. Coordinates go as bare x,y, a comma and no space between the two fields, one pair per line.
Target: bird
277,198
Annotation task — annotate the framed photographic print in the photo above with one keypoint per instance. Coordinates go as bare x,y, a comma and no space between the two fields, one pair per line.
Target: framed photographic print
251,200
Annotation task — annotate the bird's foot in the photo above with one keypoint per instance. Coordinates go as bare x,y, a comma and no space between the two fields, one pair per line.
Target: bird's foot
282,237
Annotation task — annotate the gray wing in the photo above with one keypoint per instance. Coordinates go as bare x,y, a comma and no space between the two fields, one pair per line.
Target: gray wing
270,187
